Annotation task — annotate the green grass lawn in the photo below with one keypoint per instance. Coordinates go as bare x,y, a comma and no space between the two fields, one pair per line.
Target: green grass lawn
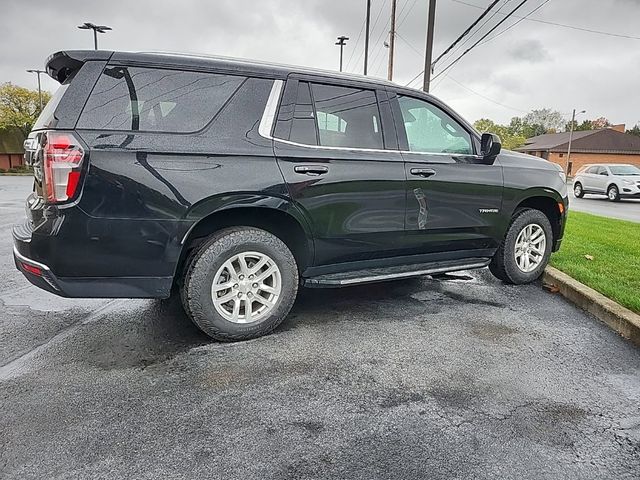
615,248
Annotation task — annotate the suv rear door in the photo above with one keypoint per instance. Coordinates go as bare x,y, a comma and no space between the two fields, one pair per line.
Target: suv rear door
453,201
601,179
337,150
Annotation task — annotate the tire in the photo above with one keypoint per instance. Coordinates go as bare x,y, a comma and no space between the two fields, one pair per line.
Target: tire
220,260
578,191
613,194
504,264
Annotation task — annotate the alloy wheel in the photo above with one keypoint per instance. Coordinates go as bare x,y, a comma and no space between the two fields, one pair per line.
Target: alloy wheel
530,247
246,287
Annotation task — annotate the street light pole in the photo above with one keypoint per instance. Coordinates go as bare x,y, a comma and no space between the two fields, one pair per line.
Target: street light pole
96,30
38,72
573,121
341,41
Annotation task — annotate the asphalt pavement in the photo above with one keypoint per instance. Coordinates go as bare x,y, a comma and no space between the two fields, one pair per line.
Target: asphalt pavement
455,377
625,209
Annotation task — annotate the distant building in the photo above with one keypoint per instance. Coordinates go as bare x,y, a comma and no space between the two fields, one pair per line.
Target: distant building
608,145
11,151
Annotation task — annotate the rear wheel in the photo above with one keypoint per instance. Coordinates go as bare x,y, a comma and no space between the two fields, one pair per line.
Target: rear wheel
613,193
524,253
578,192
240,285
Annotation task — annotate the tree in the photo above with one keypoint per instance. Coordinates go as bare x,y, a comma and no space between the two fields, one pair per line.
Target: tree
20,107
597,124
545,120
510,138
635,130
600,123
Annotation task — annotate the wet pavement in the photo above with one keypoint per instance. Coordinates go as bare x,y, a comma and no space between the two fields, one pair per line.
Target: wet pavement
626,209
450,377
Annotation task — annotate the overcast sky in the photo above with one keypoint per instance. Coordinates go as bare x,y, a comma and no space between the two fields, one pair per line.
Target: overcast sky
532,65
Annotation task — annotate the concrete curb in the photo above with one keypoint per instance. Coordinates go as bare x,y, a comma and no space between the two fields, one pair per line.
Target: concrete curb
619,318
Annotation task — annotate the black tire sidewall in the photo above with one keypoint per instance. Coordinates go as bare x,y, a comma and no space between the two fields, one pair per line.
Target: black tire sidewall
581,194
205,264
612,187
524,218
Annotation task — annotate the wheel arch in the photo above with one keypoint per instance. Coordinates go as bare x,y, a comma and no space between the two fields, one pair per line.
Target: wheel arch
273,214
548,202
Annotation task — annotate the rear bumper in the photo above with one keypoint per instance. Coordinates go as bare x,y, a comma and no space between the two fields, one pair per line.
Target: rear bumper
40,275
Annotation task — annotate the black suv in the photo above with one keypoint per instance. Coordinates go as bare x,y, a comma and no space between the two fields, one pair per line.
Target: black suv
236,182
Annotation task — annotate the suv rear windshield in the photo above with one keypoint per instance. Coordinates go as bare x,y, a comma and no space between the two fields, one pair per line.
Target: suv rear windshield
156,100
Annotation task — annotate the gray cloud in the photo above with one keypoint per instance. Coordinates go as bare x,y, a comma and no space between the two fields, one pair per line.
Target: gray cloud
529,66
529,50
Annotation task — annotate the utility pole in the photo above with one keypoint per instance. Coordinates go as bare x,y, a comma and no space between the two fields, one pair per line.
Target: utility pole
96,30
573,121
342,42
431,20
38,72
392,39
366,37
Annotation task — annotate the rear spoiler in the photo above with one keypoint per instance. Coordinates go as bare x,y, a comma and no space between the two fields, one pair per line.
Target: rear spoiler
62,64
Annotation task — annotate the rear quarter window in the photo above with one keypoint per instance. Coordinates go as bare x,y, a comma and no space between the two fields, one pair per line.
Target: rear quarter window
156,100
46,118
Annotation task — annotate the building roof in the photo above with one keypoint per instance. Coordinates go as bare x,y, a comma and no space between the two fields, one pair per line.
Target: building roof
605,140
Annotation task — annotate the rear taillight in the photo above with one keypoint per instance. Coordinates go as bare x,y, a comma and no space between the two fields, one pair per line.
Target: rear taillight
62,160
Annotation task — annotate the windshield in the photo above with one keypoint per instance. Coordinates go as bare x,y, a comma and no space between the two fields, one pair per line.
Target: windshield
624,170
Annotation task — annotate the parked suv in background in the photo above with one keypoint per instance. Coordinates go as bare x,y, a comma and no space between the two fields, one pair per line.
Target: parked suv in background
236,182
616,181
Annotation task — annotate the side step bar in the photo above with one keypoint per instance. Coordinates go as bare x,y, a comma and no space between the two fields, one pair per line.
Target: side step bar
372,275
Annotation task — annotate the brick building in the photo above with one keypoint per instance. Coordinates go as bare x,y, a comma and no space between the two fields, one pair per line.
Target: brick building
11,150
608,145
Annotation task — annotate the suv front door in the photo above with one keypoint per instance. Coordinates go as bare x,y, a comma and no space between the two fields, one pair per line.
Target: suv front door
453,202
337,151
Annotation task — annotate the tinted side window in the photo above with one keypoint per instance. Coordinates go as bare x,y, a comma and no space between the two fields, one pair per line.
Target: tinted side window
347,117
157,100
592,170
431,130
303,128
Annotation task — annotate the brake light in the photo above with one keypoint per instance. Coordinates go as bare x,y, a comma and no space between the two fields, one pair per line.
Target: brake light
62,161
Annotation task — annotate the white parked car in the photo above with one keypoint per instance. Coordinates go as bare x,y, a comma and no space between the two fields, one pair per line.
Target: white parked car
616,181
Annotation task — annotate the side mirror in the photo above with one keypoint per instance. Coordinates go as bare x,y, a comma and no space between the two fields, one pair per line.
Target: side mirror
490,146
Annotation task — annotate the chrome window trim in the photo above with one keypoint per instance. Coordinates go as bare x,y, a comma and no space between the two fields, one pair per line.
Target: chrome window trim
268,119
270,109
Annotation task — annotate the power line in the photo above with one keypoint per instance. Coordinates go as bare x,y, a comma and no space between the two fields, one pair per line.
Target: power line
355,46
516,23
564,25
465,41
481,38
406,14
372,28
484,96
466,32
409,44
478,30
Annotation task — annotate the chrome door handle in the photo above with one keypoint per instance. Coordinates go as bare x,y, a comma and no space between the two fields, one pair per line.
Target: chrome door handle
423,172
311,169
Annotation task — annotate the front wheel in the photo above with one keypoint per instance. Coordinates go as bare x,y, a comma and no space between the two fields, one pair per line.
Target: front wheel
240,285
525,250
613,193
